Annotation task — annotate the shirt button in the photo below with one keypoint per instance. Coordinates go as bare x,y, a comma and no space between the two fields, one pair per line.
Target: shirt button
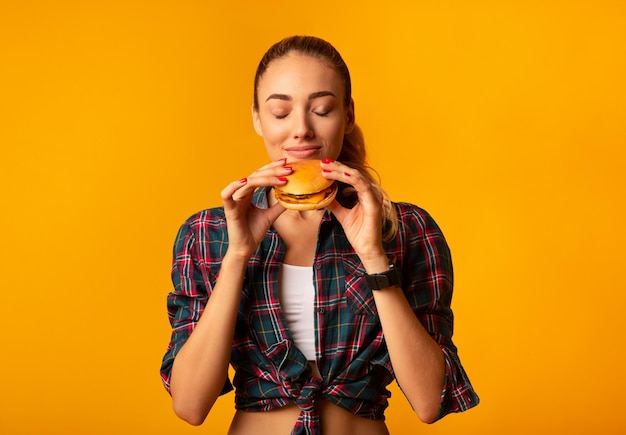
321,310
318,266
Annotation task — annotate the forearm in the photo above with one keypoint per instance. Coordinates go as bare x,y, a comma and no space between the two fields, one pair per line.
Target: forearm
201,367
417,359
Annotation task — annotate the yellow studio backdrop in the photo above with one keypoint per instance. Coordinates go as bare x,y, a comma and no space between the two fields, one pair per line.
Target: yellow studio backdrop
505,120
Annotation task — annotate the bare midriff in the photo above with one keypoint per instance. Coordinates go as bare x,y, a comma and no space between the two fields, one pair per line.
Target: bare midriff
333,420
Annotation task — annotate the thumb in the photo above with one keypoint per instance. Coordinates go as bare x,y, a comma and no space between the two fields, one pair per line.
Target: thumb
273,212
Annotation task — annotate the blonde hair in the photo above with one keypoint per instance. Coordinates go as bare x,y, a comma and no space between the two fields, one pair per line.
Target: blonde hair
353,151
354,155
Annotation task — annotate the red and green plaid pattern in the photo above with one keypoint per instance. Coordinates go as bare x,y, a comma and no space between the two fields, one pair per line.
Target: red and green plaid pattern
350,348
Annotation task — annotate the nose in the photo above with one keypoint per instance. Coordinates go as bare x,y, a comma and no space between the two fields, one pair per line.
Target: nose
302,128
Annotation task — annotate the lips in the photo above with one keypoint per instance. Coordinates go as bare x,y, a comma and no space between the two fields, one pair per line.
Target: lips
302,152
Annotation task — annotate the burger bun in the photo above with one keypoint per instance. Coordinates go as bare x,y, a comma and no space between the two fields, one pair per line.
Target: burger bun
306,187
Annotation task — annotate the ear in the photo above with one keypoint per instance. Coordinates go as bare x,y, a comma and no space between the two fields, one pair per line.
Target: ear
350,119
256,121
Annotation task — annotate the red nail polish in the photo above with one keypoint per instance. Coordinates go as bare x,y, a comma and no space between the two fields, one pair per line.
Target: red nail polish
288,168
327,160
282,178
326,170
284,160
243,180
346,174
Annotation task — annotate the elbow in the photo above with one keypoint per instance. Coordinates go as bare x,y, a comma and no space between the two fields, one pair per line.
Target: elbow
189,410
428,411
190,405
428,415
427,407
193,421
191,416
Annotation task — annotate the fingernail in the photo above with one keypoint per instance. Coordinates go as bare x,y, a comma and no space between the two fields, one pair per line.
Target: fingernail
284,160
327,160
326,170
289,168
282,178
243,180
346,174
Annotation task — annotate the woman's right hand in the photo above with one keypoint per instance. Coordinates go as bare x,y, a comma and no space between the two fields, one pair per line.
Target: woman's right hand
200,368
247,224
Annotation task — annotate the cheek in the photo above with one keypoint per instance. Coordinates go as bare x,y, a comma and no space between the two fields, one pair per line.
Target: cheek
274,136
338,134
273,129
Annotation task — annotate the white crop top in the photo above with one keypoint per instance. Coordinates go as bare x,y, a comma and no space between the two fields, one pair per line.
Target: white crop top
297,295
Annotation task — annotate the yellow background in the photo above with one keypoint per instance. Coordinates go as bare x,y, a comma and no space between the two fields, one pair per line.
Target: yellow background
506,120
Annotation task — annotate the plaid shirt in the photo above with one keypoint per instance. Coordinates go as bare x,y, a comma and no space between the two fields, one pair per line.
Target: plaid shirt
351,354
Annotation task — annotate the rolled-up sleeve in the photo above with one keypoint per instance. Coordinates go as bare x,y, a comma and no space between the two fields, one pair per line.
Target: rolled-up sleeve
428,287
192,285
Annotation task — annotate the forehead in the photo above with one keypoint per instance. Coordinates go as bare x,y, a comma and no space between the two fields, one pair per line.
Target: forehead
296,73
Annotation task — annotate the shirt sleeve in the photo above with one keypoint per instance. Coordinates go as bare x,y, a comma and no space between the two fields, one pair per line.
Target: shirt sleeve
193,282
428,287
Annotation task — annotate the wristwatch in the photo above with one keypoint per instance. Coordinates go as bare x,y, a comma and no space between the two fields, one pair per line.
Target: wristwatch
390,278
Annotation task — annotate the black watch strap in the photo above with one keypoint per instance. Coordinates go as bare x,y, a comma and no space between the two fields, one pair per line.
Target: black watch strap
390,278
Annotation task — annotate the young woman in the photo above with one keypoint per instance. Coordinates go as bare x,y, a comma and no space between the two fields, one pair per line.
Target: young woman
317,311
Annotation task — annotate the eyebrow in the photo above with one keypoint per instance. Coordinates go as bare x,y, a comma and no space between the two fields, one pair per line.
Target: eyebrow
312,96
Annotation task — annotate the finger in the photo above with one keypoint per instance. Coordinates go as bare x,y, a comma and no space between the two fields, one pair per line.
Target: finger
275,163
340,172
277,167
272,174
274,211
229,191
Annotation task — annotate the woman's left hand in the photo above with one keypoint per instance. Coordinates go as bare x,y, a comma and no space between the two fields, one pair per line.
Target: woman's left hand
362,224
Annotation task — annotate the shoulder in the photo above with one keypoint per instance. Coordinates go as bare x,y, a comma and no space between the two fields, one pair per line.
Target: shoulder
203,222
209,216
413,218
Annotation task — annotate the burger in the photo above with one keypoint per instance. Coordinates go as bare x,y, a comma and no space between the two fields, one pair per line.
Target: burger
306,187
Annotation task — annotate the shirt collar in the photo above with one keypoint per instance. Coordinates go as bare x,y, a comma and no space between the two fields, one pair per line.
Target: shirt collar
259,198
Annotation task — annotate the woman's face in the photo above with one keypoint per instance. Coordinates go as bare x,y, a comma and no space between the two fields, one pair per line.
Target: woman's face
301,112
